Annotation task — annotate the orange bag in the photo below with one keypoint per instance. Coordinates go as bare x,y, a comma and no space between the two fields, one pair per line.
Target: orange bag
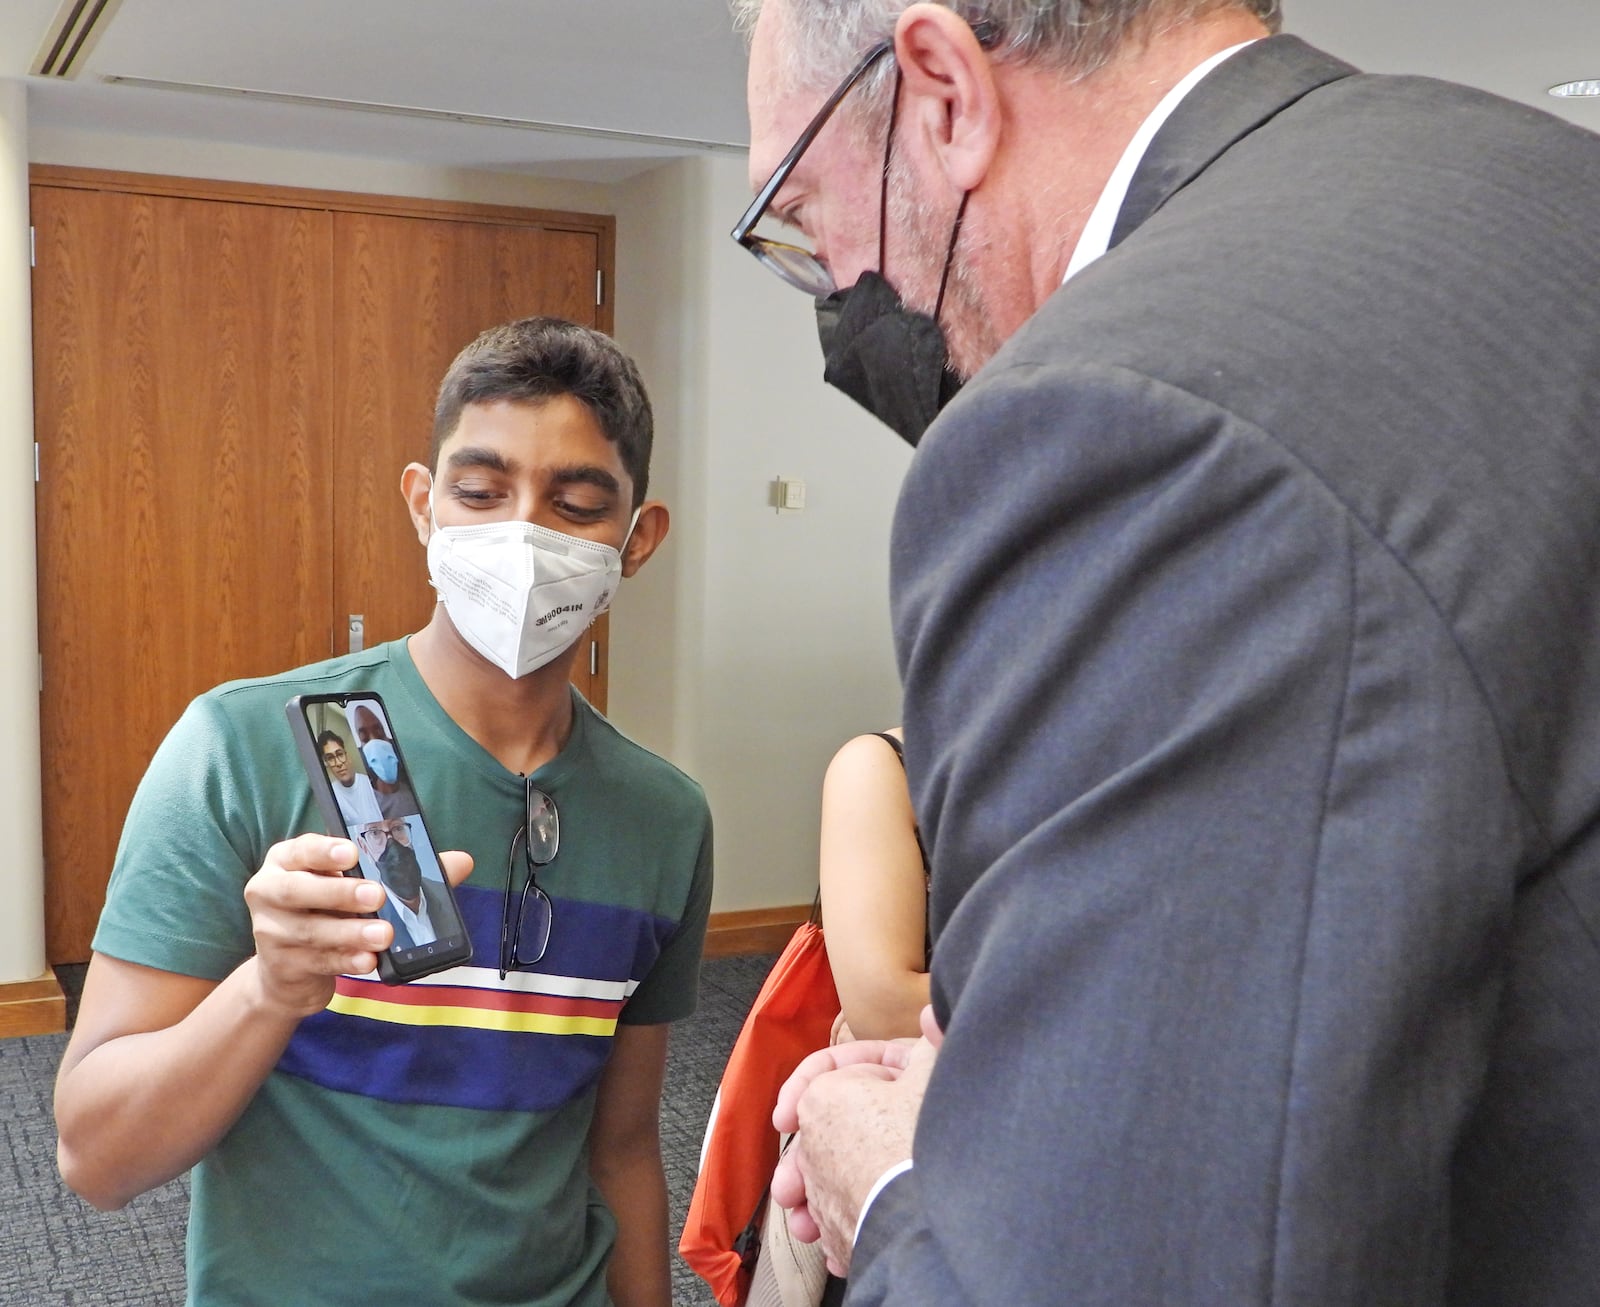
791,1017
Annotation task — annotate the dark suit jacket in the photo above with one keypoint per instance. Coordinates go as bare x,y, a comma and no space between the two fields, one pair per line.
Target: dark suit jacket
1248,606
437,897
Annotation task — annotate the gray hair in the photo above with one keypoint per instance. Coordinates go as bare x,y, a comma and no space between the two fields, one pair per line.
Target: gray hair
1076,36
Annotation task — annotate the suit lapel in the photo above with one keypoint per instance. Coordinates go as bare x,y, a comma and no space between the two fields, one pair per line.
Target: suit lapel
1236,98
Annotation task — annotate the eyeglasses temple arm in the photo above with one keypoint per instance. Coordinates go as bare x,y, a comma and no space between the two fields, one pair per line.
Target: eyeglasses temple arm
780,174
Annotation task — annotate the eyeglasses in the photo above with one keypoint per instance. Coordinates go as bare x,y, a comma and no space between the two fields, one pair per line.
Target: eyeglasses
795,264
374,839
524,938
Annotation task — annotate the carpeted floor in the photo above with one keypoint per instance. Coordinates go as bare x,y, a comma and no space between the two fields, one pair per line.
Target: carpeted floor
57,1251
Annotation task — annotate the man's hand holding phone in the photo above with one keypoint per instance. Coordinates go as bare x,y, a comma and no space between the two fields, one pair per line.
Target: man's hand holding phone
387,846
308,917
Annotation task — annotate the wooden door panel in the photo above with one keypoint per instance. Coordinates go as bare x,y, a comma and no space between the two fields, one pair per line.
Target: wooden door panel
589,669
182,416
565,277
227,388
563,284
408,294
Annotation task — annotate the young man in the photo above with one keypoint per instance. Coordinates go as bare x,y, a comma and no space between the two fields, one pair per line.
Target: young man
358,803
489,1134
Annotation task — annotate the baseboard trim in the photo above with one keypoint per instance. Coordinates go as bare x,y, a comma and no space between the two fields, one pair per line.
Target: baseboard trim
759,930
32,1007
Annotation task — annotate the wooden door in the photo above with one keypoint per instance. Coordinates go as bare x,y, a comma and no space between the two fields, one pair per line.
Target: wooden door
228,381
185,488
408,294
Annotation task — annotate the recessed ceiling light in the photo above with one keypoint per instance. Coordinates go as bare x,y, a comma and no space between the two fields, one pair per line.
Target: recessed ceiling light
1581,90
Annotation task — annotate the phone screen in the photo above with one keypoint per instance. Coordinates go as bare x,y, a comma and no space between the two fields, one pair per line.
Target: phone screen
365,776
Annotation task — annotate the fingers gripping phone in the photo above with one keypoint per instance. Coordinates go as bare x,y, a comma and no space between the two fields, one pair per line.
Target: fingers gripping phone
363,789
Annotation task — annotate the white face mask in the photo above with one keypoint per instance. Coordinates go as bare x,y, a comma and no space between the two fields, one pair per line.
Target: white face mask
521,594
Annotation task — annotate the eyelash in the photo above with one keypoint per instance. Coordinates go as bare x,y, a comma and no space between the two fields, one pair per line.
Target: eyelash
471,496
481,498
581,510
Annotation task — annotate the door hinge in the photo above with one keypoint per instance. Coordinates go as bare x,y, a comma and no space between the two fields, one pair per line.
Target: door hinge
33,257
35,462
594,658
599,287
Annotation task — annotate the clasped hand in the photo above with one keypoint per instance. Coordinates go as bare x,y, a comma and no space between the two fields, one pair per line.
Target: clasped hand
855,1109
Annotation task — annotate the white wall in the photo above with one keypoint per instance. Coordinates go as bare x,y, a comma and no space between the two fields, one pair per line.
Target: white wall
22,867
755,642
240,163
656,628
780,645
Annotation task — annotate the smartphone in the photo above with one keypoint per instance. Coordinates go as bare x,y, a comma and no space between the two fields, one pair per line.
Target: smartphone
363,789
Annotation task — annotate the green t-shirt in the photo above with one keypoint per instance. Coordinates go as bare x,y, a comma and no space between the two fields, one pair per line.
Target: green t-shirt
423,1144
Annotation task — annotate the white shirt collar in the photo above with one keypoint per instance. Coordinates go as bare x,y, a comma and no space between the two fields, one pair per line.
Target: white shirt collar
1096,237
418,922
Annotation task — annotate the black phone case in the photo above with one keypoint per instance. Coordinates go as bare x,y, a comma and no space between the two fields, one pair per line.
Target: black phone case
392,969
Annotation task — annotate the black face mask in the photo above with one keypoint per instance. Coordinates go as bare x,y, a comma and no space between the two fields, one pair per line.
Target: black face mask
401,871
889,359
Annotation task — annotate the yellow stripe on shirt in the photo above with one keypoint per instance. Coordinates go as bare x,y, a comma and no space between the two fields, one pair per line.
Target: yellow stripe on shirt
405,1014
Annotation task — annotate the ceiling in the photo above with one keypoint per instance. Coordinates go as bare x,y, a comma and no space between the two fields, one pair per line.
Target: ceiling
591,90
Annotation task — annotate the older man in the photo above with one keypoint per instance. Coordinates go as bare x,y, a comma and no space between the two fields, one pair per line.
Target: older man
1247,599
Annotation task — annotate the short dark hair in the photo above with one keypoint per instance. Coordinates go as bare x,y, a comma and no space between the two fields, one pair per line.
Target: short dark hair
322,740
537,359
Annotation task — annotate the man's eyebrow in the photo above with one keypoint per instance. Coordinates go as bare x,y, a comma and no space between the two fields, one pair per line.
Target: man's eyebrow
478,456
587,474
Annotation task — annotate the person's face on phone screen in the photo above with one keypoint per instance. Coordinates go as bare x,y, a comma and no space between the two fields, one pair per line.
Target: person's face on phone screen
367,725
337,762
388,844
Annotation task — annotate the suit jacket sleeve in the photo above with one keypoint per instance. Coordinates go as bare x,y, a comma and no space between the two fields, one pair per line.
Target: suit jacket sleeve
1219,827
440,911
